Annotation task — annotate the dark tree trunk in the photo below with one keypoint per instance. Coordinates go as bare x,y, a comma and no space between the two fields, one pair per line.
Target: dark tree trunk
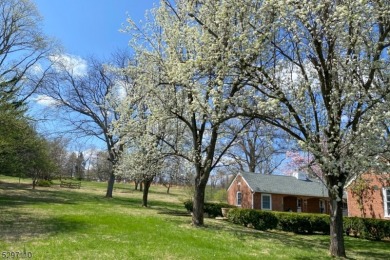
169,186
141,184
146,192
110,185
336,228
203,167
114,155
197,211
252,157
136,185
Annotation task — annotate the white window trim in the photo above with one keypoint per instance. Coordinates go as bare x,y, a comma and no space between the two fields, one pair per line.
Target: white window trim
270,201
238,192
385,202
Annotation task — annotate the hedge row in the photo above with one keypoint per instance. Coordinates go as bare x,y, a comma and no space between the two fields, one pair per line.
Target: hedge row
212,209
373,229
367,228
303,222
286,221
260,220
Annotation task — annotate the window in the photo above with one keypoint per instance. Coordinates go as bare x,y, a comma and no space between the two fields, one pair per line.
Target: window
386,201
299,205
322,206
239,198
266,202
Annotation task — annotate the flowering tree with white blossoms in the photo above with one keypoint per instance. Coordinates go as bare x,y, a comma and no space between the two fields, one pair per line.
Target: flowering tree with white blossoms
144,132
319,70
187,88
142,160
326,80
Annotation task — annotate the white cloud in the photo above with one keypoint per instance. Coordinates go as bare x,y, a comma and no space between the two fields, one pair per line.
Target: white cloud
36,69
44,100
75,65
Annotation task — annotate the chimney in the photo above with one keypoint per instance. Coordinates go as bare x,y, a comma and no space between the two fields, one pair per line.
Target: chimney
300,176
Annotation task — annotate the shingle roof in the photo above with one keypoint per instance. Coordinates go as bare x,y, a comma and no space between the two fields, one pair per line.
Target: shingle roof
288,185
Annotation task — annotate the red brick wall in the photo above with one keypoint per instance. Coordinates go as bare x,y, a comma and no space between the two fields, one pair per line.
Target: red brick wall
277,202
239,184
313,205
371,197
290,203
257,200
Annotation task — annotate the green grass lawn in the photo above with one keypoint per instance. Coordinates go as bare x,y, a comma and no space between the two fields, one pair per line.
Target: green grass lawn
58,223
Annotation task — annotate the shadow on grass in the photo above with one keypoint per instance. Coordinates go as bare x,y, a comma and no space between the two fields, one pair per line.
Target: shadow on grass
152,203
17,223
355,248
20,194
17,226
173,212
166,205
368,249
125,188
12,194
164,193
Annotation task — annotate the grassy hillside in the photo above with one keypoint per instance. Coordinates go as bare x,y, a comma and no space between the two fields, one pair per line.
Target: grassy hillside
60,223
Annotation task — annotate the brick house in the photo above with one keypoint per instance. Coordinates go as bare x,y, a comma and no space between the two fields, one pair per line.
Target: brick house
279,193
368,196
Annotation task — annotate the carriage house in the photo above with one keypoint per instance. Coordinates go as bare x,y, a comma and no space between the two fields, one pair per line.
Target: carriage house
279,193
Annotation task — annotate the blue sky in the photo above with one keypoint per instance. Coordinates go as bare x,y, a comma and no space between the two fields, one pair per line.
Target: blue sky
90,27
85,28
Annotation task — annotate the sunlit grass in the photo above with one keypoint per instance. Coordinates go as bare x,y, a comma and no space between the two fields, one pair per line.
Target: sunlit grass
57,223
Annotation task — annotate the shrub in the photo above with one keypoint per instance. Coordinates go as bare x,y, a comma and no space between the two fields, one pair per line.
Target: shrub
352,225
292,222
320,223
212,209
303,222
188,204
44,183
367,228
260,220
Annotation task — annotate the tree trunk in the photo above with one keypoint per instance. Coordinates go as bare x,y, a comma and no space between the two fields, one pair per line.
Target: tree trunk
110,185
141,184
136,185
146,192
337,248
197,211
